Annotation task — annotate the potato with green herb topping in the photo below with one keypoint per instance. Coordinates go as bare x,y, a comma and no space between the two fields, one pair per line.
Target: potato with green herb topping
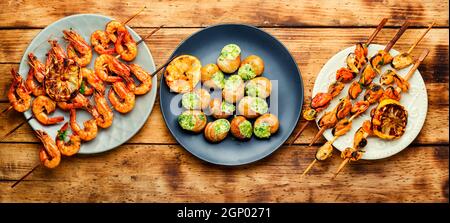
258,87
266,125
192,120
221,109
241,128
212,76
217,131
252,107
251,67
229,58
198,99
234,89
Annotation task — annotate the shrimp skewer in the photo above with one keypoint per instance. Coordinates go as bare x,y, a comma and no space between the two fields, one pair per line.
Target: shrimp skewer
355,153
355,62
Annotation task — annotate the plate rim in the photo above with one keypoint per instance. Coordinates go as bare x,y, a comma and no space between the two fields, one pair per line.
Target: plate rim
265,155
153,91
421,124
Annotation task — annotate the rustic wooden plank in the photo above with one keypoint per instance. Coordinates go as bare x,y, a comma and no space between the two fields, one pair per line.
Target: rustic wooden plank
203,12
160,173
434,131
311,48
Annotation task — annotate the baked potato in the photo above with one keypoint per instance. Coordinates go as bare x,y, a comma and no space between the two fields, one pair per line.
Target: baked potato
258,87
212,77
217,131
229,58
221,109
266,125
251,67
197,99
192,120
252,107
241,128
233,90
183,73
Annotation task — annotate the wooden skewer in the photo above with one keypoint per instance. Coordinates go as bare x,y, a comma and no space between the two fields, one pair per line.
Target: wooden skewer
132,17
371,38
309,168
397,36
162,66
407,77
26,175
377,30
148,36
316,137
15,128
420,38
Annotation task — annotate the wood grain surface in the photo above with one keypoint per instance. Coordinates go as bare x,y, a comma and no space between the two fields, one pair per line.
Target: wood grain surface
152,167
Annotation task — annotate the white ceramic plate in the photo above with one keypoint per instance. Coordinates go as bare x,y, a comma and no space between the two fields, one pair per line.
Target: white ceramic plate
124,126
415,101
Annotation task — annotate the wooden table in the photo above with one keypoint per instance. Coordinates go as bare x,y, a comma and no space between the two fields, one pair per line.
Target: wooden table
152,167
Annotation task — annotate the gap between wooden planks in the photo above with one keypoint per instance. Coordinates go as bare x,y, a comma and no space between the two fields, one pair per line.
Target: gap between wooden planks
35,13
164,173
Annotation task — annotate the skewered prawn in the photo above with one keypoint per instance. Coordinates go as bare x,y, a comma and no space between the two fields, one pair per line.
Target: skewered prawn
41,107
18,95
121,98
126,46
67,145
100,41
32,85
93,79
37,66
49,153
143,77
79,101
102,66
104,115
90,127
78,49
113,28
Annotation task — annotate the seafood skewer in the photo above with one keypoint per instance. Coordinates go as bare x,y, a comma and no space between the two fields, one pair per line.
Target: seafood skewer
373,92
368,73
360,139
355,61
404,59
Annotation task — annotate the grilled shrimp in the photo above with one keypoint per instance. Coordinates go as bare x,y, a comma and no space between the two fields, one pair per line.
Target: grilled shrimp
79,101
90,127
105,114
37,66
93,79
32,85
100,41
102,68
143,77
121,98
42,106
126,46
78,49
49,153
18,95
113,28
67,145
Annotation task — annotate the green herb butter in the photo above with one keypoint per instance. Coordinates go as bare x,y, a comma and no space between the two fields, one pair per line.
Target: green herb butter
221,126
233,82
259,105
262,130
187,121
246,72
227,107
219,79
230,52
190,100
246,129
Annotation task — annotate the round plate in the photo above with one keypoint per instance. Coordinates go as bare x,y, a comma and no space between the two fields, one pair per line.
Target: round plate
285,101
415,101
124,126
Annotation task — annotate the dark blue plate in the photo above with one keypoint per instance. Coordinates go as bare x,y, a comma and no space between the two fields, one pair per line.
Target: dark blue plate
286,102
